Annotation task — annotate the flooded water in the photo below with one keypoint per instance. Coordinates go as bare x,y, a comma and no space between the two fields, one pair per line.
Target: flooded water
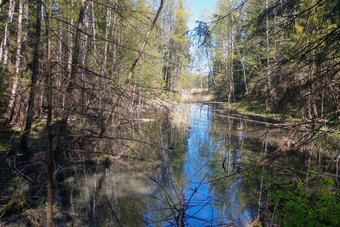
201,176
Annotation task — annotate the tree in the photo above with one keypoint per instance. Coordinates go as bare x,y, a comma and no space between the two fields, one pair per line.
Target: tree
225,51
176,50
4,48
49,200
10,108
35,72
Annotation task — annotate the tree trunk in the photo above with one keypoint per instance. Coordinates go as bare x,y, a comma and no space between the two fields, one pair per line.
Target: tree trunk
231,82
5,43
69,57
24,34
84,53
181,211
244,74
74,65
49,210
102,86
30,109
10,107
93,29
144,43
5,46
43,22
114,45
60,56
60,41
107,30
86,38
68,101
268,76
260,198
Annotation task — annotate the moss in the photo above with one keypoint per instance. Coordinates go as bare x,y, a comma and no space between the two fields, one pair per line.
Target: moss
4,144
9,138
15,206
258,111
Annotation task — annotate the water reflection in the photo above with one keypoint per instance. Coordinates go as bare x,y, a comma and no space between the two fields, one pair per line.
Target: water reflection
197,180
212,154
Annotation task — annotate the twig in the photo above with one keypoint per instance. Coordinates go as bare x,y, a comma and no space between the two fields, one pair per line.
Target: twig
19,172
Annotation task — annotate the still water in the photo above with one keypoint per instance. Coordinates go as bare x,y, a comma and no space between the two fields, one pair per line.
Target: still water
199,178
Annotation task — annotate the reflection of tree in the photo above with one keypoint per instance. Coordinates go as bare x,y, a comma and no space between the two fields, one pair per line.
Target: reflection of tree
227,194
99,196
116,190
216,165
178,143
178,157
249,147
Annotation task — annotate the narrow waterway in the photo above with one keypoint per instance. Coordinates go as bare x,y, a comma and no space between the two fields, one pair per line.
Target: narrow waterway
200,178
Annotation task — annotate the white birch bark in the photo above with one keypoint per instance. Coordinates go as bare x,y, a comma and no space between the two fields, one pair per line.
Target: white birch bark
17,66
86,38
231,83
93,29
70,41
114,45
5,46
25,19
84,53
107,30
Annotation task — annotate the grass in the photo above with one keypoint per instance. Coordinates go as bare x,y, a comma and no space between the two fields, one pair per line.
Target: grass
196,96
10,135
258,110
9,138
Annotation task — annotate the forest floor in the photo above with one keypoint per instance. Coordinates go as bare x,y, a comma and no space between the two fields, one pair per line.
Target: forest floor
245,109
256,112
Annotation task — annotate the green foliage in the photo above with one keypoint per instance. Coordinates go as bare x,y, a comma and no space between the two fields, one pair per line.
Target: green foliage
302,205
176,47
197,81
8,139
14,206
284,53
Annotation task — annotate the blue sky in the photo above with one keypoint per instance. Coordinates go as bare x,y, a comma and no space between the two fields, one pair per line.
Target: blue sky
197,7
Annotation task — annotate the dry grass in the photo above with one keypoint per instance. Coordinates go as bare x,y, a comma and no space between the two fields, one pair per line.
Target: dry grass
180,116
196,96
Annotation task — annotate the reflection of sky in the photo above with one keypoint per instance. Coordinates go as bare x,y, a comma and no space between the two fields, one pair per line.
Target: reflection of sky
145,194
200,142
240,136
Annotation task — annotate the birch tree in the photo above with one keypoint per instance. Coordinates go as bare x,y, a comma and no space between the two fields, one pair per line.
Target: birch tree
10,107
4,48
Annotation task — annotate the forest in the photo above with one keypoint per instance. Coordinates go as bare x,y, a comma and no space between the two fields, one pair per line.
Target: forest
104,121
